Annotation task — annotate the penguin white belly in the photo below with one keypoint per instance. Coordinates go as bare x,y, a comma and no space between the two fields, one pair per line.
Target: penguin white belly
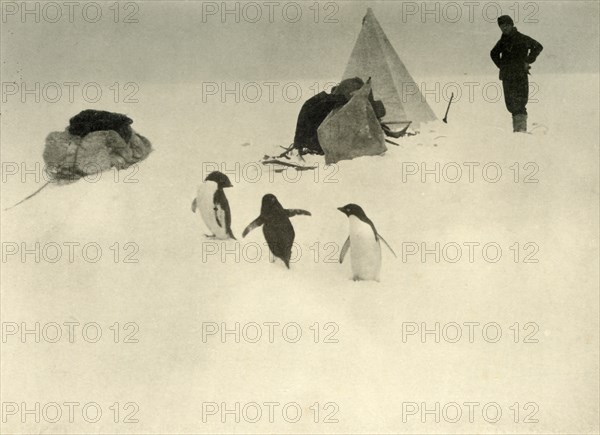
205,202
365,251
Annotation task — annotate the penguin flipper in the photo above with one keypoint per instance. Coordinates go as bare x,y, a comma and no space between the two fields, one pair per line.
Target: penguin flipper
344,249
296,211
194,206
386,244
253,225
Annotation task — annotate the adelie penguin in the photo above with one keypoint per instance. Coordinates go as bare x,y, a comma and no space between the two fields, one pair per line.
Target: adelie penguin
363,242
213,205
277,228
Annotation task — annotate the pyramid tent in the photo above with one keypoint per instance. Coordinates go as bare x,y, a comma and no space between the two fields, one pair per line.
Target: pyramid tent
373,56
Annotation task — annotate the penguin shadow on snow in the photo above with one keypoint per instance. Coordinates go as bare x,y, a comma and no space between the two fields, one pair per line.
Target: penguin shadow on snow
213,206
364,245
277,228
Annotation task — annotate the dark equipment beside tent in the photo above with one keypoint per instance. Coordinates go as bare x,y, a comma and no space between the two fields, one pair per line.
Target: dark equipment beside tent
313,112
317,108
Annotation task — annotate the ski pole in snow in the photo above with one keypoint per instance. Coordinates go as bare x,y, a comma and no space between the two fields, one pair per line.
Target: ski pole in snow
446,115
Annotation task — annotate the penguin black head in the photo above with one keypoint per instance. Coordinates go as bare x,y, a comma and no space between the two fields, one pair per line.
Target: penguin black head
270,204
220,178
353,210
358,212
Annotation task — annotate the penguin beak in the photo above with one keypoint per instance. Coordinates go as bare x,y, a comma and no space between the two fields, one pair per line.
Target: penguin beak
342,210
228,184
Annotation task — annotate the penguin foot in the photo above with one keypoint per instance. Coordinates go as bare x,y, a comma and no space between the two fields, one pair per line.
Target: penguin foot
210,236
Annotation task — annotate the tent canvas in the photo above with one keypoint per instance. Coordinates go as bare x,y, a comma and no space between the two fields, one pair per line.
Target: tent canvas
373,56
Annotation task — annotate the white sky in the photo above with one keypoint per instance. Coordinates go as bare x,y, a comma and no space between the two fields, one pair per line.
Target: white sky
174,42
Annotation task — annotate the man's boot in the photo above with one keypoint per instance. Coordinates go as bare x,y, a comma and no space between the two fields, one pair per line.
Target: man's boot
520,123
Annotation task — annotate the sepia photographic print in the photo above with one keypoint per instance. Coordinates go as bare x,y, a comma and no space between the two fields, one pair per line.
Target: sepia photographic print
299,217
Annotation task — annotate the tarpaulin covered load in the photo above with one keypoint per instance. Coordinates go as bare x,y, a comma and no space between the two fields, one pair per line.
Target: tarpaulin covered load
315,110
352,130
95,141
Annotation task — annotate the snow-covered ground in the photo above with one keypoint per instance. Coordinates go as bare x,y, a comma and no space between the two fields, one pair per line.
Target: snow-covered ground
183,280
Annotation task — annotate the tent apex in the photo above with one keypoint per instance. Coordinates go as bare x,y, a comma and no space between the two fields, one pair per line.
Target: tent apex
373,56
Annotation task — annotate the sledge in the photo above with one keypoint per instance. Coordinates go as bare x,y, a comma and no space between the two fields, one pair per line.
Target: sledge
395,134
287,165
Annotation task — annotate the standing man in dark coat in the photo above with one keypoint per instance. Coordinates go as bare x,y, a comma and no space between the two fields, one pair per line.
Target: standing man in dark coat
512,54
